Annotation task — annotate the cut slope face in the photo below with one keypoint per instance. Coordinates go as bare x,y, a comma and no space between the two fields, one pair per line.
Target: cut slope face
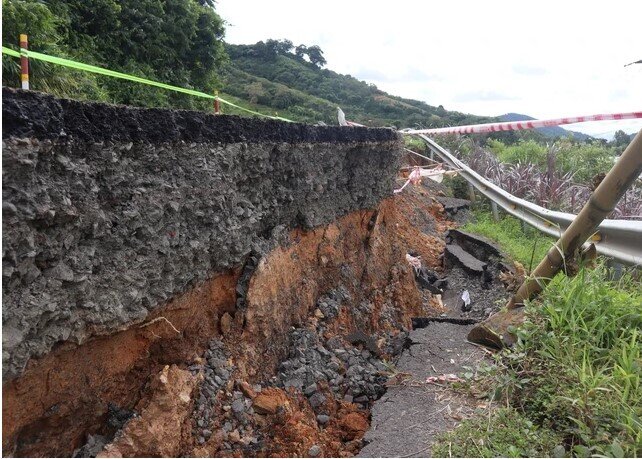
135,240
111,211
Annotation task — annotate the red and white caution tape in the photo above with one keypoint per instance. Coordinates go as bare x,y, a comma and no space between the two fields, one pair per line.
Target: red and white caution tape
520,125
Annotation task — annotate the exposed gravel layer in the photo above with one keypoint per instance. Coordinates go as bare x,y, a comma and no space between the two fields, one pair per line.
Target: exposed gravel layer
316,368
108,211
353,374
216,371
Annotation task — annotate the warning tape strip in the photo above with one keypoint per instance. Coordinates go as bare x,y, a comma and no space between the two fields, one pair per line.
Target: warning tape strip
124,76
469,129
520,125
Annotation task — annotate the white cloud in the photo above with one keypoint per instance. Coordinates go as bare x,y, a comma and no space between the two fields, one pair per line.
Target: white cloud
547,60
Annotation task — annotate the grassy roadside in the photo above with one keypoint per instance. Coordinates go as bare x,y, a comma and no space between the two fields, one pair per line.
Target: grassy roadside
527,247
572,385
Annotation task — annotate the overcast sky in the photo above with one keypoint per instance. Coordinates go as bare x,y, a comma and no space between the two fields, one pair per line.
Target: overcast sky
546,59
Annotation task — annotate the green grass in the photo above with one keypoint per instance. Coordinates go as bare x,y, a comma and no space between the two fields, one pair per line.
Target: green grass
575,371
415,144
520,245
507,433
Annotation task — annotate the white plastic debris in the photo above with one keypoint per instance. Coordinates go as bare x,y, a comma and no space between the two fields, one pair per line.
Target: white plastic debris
445,378
415,262
465,296
342,117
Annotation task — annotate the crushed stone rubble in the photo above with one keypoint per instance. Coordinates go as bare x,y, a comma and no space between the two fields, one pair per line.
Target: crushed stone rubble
217,372
353,374
339,367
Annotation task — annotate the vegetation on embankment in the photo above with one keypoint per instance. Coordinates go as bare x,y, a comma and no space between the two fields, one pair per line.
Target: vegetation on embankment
557,176
178,42
525,245
280,75
572,384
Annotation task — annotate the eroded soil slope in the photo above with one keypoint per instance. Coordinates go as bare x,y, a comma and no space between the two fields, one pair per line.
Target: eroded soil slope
282,356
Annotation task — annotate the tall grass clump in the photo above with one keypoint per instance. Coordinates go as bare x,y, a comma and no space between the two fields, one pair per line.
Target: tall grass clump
576,368
560,176
582,344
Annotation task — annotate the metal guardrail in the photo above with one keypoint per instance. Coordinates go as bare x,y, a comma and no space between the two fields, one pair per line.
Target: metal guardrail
619,239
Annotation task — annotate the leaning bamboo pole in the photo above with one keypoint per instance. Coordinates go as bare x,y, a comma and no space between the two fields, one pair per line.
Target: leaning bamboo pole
494,331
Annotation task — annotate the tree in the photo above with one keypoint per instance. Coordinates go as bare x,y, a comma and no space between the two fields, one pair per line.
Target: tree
284,46
175,41
621,139
316,56
301,51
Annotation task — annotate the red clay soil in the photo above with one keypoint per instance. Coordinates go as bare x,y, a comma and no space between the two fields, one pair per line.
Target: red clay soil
288,420
63,397
158,431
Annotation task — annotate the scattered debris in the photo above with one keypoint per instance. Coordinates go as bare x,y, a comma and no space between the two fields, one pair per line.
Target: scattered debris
512,279
445,378
466,303
426,278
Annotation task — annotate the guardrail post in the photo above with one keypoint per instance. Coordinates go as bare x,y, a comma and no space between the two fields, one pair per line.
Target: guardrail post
24,62
617,269
493,207
471,192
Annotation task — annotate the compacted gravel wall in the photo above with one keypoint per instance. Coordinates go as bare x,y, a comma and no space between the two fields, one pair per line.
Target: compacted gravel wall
110,211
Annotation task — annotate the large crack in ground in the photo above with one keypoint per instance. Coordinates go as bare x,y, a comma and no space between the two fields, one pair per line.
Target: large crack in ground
419,405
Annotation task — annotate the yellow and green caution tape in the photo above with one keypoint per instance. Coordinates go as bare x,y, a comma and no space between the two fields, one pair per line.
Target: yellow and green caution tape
125,76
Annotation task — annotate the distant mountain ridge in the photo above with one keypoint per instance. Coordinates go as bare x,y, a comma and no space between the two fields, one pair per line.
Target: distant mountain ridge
551,131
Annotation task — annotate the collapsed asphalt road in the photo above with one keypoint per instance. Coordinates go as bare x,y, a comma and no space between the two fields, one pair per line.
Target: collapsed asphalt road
407,419
419,404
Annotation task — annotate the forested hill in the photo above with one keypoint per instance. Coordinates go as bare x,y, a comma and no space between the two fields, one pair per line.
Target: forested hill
180,42
291,81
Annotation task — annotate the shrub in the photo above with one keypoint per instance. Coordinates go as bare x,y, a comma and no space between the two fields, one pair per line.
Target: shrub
525,151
